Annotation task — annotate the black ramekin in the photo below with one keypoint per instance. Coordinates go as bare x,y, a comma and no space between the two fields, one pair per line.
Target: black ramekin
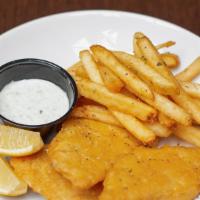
31,68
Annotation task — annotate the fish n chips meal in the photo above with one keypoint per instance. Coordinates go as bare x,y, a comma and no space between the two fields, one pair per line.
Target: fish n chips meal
109,146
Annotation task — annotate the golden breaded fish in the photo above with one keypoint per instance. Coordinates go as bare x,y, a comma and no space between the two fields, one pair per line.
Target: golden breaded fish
38,173
85,149
189,155
154,174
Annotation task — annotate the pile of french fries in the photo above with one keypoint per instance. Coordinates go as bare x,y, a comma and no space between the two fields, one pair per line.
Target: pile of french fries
138,91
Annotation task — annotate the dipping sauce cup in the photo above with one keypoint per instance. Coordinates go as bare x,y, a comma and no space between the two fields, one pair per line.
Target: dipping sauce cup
30,68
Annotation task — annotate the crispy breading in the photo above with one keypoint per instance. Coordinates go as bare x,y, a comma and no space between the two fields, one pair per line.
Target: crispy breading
38,173
85,149
188,155
157,174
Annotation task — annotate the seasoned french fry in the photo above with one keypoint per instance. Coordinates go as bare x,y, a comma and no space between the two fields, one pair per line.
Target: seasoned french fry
146,73
158,129
84,101
190,134
193,89
134,126
126,92
102,114
111,81
155,60
90,66
107,58
166,121
116,101
192,71
165,44
78,70
171,60
170,109
186,102
136,49
197,101
98,113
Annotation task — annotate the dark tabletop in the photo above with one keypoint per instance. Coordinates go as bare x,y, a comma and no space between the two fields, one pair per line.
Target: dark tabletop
185,13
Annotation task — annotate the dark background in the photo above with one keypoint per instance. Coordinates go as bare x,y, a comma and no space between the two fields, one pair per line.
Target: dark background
185,13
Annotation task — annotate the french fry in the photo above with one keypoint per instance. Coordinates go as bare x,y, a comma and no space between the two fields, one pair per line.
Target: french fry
134,126
126,92
165,44
186,102
171,60
153,57
190,134
90,66
111,81
193,89
98,113
189,73
146,73
84,101
166,121
197,101
159,130
78,70
107,58
102,114
136,49
170,109
115,101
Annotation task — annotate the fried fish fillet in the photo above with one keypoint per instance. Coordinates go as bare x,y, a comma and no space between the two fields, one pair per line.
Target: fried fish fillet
37,172
85,149
154,174
188,155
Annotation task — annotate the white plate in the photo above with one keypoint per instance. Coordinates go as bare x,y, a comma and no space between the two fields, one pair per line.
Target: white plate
59,38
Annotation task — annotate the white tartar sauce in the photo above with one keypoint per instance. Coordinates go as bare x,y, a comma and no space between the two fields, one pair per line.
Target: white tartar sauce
33,102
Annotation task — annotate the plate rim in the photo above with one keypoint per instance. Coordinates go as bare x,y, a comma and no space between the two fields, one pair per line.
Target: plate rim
100,12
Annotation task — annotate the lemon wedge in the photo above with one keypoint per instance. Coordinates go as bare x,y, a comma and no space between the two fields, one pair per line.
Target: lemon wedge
10,185
19,142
